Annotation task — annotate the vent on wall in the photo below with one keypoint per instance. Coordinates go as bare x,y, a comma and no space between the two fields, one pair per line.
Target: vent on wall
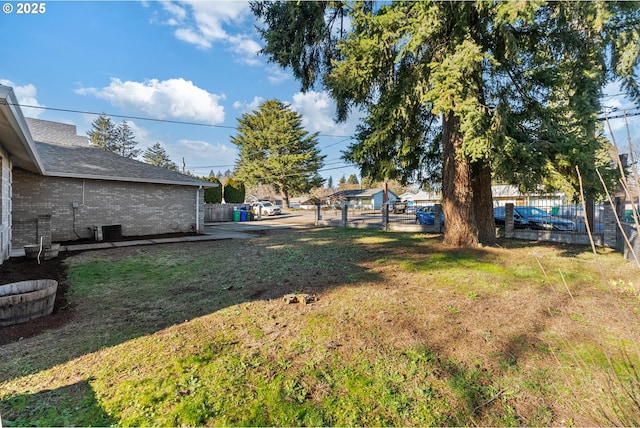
112,232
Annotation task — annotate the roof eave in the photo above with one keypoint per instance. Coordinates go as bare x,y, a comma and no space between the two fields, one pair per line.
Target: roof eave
19,143
131,179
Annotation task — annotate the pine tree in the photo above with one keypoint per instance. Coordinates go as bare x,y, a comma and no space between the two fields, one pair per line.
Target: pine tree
276,150
157,156
342,182
125,141
103,133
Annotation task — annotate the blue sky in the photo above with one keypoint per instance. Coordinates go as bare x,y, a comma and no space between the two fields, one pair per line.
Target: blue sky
192,61
181,61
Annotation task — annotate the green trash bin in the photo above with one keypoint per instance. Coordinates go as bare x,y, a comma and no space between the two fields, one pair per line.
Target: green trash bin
236,215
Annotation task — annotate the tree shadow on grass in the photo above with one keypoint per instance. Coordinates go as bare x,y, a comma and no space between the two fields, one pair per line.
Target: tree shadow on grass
119,303
223,274
43,408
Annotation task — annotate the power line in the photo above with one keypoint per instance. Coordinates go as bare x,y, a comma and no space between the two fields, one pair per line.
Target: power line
177,122
623,115
151,119
337,162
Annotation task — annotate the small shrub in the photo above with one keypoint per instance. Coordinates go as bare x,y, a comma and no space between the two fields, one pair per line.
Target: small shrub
213,195
234,191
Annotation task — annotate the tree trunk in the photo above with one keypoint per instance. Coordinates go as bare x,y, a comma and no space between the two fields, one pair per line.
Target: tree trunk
483,202
457,188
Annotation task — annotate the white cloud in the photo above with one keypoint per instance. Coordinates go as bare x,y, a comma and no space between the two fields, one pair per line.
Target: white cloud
203,23
317,111
277,75
246,48
26,95
172,98
190,36
142,135
248,106
176,11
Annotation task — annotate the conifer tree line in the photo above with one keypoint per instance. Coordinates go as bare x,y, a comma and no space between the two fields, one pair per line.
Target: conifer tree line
120,139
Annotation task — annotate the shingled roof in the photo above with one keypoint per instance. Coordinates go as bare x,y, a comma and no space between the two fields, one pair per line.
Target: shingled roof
66,154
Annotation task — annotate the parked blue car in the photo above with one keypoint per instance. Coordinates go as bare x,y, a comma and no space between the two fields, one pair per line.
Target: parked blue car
427,216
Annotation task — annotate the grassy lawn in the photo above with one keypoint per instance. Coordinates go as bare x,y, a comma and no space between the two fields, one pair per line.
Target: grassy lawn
404,332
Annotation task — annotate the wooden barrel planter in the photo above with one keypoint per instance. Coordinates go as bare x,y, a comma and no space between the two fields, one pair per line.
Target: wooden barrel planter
26,300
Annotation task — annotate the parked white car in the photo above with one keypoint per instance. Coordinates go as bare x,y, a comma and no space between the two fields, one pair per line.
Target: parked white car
267,208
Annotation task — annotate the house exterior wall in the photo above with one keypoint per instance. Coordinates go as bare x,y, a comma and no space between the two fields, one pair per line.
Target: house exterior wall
378,197
5,205
140,208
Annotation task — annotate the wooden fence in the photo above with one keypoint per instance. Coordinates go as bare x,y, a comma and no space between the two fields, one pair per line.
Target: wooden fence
220,212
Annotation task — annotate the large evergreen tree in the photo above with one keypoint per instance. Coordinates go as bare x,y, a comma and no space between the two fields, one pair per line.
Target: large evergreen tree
125,141
103,133
506,90
108,136
276,150
156,155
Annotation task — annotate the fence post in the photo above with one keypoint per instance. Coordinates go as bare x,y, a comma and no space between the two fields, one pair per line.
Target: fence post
318,214
384,210
509,229
345,208
610,226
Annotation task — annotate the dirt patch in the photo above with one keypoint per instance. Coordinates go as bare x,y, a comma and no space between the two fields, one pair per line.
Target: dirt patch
23,269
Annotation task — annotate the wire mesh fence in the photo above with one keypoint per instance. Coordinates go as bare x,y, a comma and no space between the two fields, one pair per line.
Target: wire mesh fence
545,214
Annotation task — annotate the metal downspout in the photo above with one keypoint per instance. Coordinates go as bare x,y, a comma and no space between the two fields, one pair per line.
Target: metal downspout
198,209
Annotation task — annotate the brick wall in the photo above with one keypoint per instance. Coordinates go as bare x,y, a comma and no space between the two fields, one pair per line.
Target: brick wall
141,208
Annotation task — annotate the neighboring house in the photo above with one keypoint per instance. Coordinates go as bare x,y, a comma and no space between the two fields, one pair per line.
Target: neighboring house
502,194
426,198
56,187
304,202
362,198
406,197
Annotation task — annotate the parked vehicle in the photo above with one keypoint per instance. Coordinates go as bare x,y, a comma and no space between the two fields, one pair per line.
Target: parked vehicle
267,208
525,217
399,207
427,215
